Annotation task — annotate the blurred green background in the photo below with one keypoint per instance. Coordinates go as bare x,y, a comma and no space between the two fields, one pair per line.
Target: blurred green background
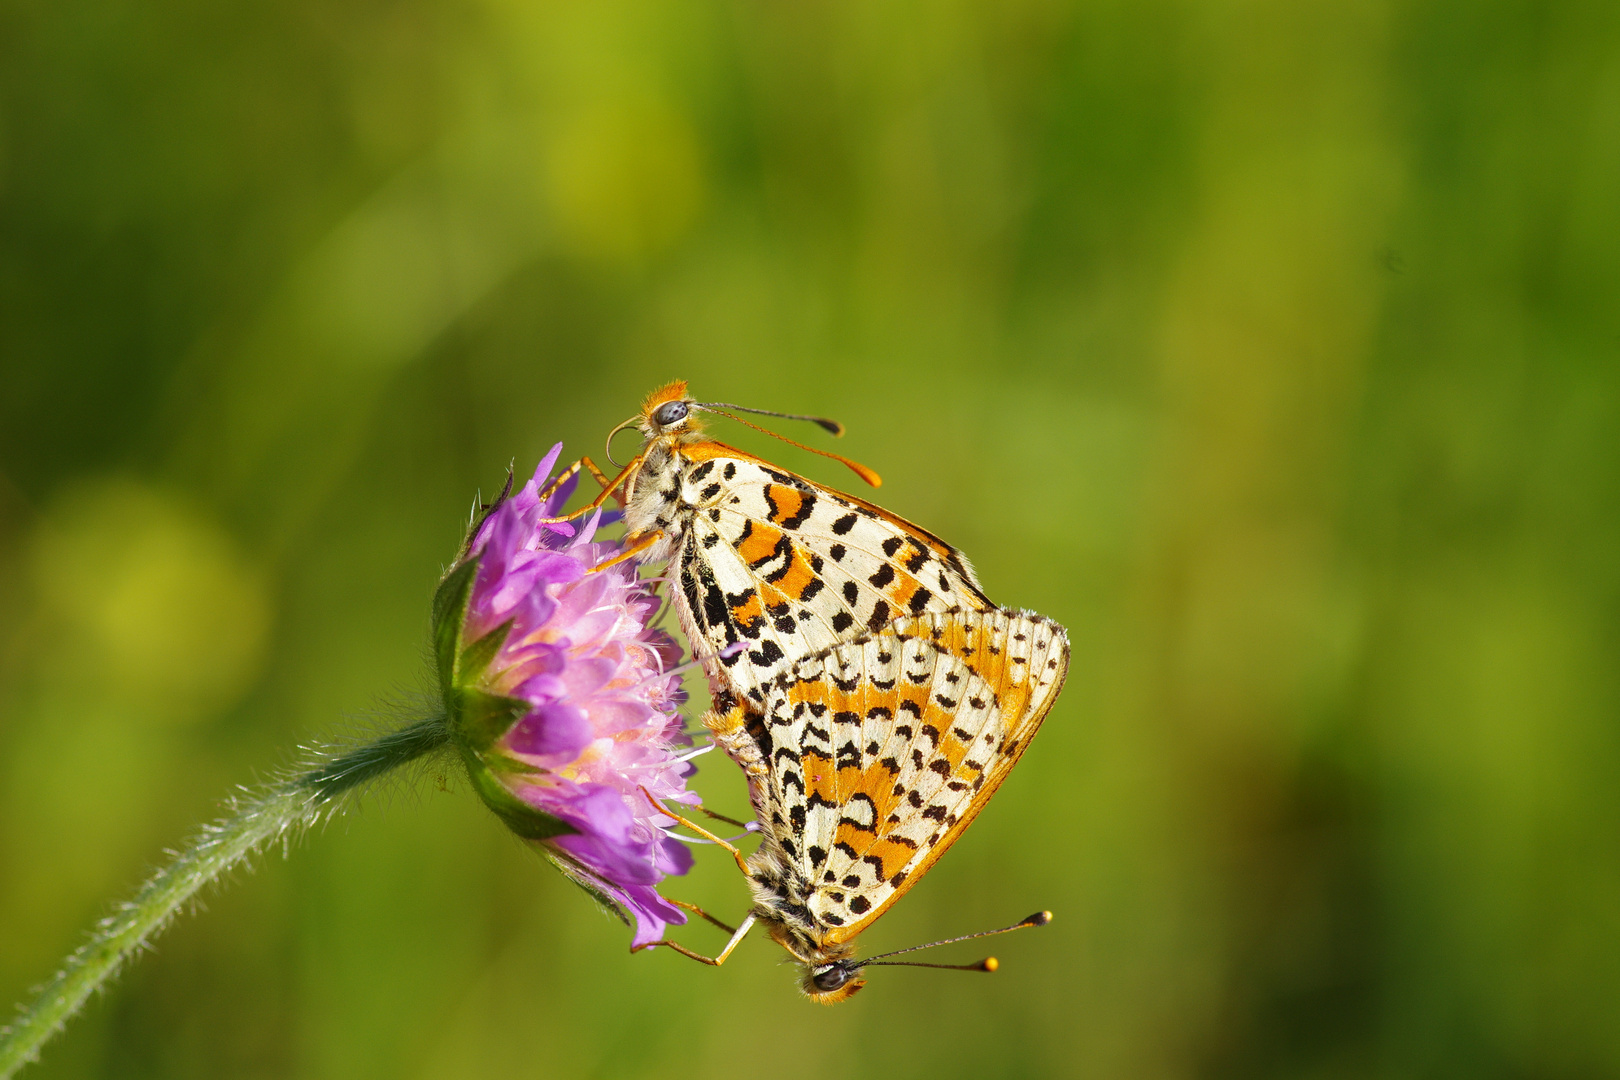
1270,346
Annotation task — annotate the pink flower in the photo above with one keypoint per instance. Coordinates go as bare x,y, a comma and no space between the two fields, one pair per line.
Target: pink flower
564,701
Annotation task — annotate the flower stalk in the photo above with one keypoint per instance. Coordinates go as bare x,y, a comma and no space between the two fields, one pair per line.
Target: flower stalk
254,821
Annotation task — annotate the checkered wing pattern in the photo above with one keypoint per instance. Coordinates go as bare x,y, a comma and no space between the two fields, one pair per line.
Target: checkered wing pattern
880,751
790,569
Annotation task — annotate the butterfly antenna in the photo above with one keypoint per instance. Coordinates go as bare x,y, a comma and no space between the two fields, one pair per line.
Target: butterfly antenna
833,426
1040,918
989,963
860,470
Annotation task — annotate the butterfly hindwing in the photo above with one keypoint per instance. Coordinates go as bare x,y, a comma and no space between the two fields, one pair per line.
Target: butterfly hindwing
880,751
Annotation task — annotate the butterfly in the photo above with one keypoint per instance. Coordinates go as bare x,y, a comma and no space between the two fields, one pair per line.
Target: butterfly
872,693
868,760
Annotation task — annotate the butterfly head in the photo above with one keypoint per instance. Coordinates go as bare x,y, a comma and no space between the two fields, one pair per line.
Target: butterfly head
831,973
669,417
668,411
828,984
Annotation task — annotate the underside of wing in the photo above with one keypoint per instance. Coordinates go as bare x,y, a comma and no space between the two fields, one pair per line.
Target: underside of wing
791,570
883,749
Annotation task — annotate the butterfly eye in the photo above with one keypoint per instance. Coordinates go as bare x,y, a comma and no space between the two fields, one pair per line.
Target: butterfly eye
670,412
832,977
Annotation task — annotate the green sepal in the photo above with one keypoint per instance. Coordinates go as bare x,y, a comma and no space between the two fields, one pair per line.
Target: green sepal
449,617
519,816
475,658
479,719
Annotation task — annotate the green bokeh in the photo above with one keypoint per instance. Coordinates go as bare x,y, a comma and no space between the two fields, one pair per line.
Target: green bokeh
1269,346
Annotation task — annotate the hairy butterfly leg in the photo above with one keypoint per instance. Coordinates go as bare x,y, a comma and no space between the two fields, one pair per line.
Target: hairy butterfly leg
728,820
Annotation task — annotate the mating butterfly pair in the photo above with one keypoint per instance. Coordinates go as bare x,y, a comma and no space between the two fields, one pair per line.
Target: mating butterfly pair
871,692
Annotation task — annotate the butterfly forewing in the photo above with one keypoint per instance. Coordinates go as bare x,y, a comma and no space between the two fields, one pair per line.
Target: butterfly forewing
790,569
881,751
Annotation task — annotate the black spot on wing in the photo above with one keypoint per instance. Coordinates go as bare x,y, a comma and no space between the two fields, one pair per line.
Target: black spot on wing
782,477
880,616
715,611
844,524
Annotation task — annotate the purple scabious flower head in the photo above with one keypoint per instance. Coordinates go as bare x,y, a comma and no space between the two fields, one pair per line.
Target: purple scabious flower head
564,701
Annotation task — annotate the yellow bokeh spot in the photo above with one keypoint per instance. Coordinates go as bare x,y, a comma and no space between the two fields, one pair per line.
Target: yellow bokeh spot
624,179
147,598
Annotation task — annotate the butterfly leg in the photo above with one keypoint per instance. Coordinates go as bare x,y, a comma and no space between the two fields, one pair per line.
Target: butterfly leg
609,486
641,544
742,862
713,961
602,478
700,913
597,474
722,817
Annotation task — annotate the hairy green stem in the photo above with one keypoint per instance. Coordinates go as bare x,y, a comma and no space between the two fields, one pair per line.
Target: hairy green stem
254,821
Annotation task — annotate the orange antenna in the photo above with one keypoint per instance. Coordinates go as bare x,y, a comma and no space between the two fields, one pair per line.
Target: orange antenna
860,470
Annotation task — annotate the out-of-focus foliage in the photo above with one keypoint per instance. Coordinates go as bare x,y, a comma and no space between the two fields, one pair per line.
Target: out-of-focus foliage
1270,346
